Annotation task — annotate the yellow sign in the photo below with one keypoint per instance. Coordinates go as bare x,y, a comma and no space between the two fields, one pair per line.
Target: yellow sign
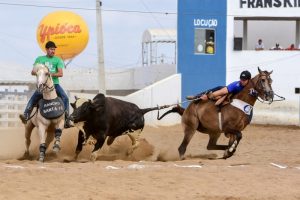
67,30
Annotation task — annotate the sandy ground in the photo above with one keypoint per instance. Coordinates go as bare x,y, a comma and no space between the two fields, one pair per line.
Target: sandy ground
265,166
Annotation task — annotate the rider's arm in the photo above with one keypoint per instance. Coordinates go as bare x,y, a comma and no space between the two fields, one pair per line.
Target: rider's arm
220,92
223,91
59,73
60,66
217,94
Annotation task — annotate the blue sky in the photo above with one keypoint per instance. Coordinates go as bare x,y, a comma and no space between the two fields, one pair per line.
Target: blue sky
122,30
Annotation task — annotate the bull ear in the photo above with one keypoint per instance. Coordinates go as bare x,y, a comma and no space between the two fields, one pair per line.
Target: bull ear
98,105
76,98
73,105
99,96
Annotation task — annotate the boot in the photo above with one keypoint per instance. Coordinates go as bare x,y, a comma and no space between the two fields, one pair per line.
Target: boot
191,97
26,116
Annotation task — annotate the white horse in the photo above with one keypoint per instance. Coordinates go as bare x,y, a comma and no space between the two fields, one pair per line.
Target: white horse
48,127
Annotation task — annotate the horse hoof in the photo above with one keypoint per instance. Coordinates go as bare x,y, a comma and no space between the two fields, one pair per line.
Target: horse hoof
25,156
181,157
93,157
41,159
56,148
227,154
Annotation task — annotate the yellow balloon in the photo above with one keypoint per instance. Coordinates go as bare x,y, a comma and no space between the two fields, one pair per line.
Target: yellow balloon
67,29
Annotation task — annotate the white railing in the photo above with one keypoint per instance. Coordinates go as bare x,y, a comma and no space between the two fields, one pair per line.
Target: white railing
10,110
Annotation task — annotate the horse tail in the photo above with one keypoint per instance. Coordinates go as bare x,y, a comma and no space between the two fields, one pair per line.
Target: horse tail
177,109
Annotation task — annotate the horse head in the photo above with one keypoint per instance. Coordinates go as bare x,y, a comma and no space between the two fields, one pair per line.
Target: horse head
42,77
263,85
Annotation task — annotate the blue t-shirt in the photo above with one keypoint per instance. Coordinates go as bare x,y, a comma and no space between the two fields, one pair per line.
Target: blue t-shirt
235,87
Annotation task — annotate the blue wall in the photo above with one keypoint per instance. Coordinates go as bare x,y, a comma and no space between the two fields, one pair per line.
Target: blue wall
201,71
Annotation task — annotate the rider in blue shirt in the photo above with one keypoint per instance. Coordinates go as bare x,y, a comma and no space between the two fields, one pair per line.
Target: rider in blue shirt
234,88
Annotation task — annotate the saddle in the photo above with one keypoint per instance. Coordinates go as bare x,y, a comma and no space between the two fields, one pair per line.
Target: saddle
51,109
227,99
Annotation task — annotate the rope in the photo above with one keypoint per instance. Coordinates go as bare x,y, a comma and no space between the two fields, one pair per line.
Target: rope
281,98
33,114
175,104
263,101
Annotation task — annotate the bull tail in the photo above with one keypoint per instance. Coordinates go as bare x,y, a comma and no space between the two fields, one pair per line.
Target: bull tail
177,109
145,110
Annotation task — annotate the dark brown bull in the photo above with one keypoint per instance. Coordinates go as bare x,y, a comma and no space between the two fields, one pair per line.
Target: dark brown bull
105,117
206,117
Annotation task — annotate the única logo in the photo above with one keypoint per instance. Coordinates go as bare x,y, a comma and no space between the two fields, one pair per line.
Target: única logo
46,31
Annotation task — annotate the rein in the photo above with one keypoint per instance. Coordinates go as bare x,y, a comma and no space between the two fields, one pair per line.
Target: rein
281,98
46,87
262,88
32,115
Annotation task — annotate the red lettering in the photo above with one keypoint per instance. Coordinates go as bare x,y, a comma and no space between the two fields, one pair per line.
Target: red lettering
77,29
47,31
70,29
57,29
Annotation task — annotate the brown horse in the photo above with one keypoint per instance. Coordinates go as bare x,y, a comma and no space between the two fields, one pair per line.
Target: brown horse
231,119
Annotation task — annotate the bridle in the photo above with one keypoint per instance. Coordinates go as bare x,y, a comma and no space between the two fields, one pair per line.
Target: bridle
259,86
45,87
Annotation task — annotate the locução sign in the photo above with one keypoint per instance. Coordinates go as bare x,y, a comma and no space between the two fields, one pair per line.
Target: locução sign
206,22
67,29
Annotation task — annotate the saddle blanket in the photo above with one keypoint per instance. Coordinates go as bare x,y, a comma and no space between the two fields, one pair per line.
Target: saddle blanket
243,106
51,109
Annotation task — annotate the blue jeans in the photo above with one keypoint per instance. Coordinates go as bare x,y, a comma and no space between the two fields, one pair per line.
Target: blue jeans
61,93
33,101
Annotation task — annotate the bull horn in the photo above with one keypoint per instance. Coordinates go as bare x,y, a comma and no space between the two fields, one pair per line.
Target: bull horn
76,98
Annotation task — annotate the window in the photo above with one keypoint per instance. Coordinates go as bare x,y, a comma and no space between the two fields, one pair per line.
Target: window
204,41
281,31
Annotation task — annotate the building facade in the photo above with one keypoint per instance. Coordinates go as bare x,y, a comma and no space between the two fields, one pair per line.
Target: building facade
14,96
225,27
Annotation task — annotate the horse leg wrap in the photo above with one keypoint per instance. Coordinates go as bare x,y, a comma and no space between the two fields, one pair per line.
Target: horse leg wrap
42,152
43,147
56,146
58,132
233,146
236,142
